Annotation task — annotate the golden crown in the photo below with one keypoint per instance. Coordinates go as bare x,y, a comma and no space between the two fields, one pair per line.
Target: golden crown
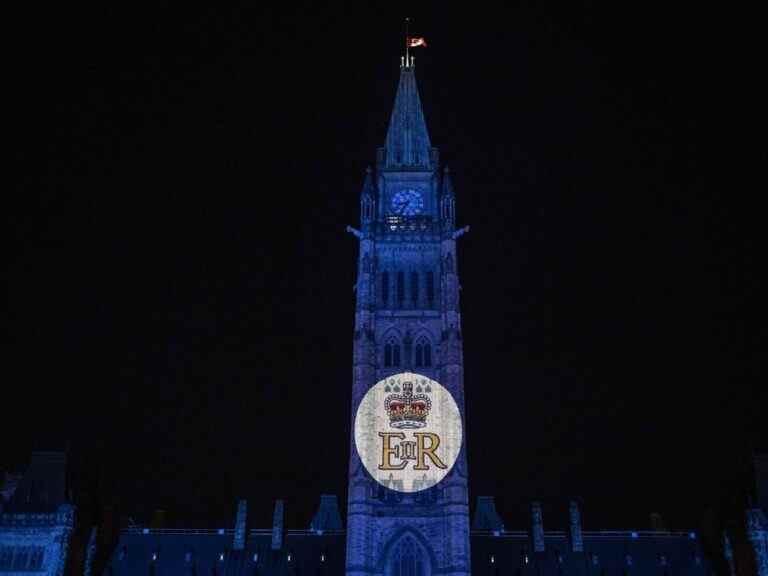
407,410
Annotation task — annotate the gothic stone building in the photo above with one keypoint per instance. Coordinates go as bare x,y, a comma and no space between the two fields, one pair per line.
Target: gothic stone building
407,318
36,521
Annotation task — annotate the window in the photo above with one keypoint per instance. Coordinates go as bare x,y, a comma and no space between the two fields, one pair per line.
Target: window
21,558
6,556
423,353
407,560
400,288
415,287
391,353
385,288
367,207
430,288
35,558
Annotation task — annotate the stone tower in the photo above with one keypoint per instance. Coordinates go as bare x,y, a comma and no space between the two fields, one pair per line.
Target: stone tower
407,318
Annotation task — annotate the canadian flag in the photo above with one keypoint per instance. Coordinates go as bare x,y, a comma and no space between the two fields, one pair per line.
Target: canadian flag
414,42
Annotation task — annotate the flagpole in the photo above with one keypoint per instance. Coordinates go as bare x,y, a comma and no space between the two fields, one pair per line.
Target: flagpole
407,20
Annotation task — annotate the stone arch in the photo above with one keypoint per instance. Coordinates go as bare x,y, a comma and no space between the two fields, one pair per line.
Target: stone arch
407,549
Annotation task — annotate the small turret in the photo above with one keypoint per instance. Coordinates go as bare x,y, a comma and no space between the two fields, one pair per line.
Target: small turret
486,517
278,522
447,201
574,528
238,541
757,534
537,527
728,553
367,202
327,516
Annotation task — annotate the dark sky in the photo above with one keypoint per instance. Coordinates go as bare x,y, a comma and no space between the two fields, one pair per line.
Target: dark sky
180,283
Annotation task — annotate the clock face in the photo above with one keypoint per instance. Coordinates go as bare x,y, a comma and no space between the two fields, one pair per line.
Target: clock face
407,202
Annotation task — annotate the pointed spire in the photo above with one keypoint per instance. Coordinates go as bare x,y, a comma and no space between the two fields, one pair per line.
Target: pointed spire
577,540
368,189
367,200
327,516
447,182
486,517
238,542
278,521
447,201
407,142
537,527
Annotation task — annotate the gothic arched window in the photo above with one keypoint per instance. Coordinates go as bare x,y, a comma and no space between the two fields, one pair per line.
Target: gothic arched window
415,287
430,288
367,211
448,208
391,353
407,559
400,288
385,287
423,353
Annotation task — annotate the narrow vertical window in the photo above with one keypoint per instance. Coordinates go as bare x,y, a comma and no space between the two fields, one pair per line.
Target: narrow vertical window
385,288
430,288
20,559
400,288
38,559
407,559
5,556
415,288
391,352
423,353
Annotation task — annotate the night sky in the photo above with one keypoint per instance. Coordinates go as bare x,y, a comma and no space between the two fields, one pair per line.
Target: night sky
180,302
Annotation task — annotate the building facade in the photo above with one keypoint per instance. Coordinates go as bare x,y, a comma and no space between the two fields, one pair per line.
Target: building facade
36,520
407,319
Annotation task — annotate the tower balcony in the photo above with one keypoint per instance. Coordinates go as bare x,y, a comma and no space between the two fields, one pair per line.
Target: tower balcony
409,227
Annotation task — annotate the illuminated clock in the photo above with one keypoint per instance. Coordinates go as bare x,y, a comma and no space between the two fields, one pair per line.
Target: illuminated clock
407,202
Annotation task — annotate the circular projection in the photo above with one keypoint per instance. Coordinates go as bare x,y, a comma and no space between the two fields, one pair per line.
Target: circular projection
408,432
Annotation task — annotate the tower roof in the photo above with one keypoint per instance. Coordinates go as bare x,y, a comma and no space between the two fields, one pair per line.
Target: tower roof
407,141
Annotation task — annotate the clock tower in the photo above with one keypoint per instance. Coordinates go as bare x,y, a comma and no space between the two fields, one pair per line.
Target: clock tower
407,328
